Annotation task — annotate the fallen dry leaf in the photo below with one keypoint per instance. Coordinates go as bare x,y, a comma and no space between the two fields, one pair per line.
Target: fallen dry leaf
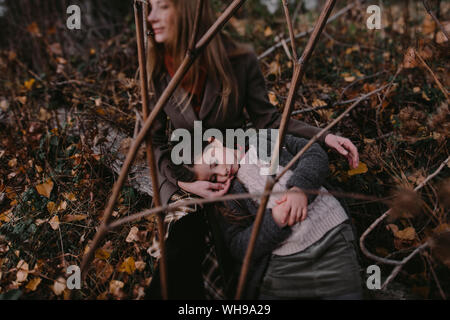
59,286
409,61
69,196
362,168
22,272
54,222
44,189
132,235
102,254
128,266
33,284
74,217
115,286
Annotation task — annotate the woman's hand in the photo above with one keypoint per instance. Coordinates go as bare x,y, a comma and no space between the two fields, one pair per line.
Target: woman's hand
296,203
345,147
206,189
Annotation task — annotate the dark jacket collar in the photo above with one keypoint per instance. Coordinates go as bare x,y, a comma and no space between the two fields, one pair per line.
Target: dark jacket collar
210,98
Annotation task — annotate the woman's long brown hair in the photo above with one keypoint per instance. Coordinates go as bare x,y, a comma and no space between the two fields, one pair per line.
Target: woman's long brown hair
215,57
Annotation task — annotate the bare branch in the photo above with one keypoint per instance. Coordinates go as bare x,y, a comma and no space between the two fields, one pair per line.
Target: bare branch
303,34
384,215
173,84
291,30
299,69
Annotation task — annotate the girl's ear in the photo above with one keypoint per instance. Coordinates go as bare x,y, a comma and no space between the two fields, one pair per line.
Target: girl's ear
211,139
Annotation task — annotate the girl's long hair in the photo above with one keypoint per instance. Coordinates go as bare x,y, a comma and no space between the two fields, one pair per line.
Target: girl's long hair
215,58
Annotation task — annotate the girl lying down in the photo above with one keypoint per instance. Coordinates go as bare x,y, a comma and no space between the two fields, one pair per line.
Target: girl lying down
305,247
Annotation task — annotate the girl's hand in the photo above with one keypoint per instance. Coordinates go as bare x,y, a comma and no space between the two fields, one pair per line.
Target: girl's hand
206,189
296,203
345,147
280,214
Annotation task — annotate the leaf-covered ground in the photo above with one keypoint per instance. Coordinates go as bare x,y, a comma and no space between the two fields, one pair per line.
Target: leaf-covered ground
53,187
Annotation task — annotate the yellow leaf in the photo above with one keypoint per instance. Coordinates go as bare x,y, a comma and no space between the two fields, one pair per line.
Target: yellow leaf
362,168
45,188
406,234
33,284
29,84
128,266
54,222
102,254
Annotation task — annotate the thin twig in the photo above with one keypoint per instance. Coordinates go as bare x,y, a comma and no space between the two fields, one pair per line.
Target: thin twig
167,93
290,28
303,34
318,135
299,70
378,108
384,215
229,197
402,263
431,13
444,297
441,87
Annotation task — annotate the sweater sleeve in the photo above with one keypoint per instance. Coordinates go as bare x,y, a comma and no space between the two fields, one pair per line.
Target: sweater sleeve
237,237
262,113
162,150
311,170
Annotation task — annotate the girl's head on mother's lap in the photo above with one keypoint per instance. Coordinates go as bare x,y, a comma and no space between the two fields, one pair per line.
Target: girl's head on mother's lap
215,163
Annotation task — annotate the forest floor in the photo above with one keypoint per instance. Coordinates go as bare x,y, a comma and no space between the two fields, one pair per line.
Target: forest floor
54,187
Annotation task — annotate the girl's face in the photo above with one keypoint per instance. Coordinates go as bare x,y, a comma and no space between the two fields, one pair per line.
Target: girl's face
162,19
218,163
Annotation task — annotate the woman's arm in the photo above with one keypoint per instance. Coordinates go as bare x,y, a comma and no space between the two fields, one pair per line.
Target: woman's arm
311,169
167,180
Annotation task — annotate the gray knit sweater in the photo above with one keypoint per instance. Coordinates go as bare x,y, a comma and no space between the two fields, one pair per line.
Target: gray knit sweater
309,172
324,213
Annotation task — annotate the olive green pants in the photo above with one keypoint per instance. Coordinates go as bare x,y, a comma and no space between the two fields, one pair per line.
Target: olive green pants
328,269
